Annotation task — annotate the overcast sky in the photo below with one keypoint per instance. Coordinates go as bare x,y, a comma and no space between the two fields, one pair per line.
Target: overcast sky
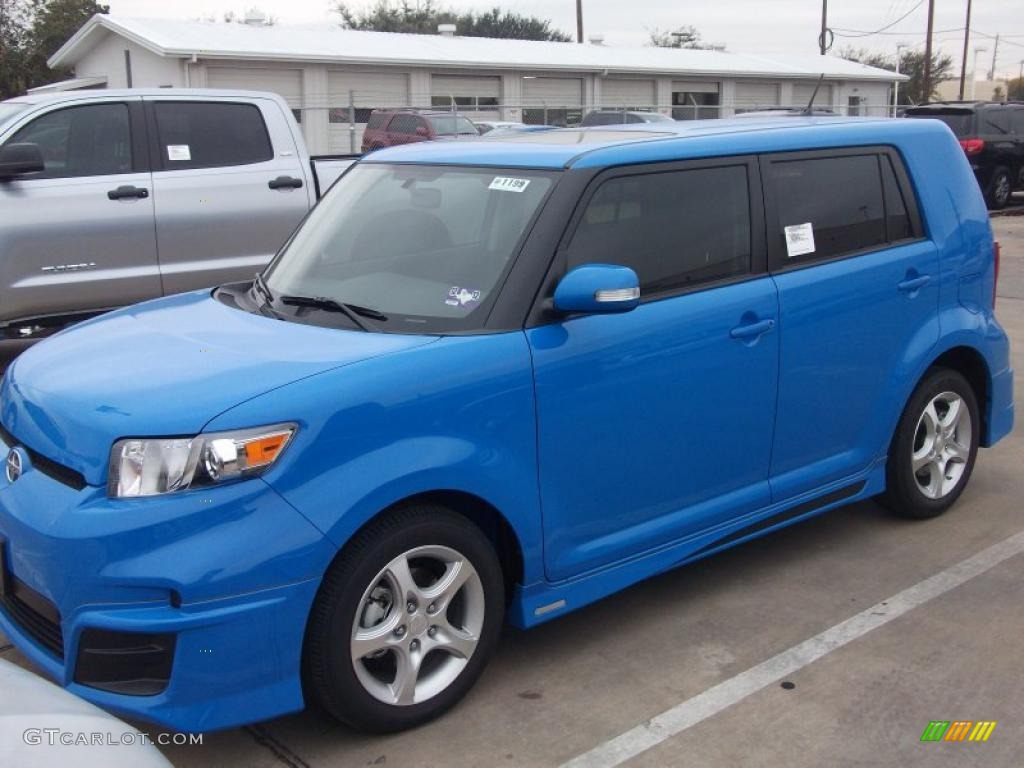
751,26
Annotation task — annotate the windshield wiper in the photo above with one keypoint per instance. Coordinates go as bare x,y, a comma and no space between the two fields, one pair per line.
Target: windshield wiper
260,287
351,311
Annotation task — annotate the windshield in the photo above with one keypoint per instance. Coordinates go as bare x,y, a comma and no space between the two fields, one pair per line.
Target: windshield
426,246
960,121
9,110
445,125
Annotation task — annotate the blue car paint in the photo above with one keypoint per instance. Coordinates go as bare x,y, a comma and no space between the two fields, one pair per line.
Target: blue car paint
493,417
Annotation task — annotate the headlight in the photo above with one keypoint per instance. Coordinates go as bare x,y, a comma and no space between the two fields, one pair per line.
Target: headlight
153,466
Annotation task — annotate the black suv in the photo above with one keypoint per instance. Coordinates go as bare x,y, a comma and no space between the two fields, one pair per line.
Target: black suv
992,135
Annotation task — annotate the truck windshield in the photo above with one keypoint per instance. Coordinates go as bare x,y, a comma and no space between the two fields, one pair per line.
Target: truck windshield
960,121
9,110
450,126
426,246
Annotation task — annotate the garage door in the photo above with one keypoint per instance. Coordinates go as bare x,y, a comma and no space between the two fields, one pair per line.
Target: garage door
371,90
750,95
628,93
562,97
287,82
802,94
478,96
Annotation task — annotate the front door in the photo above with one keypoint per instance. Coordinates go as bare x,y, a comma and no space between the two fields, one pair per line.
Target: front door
657,424
79,235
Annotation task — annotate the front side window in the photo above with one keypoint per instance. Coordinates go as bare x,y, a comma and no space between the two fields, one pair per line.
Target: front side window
211,134
674,229
90,140
839,198
425,245
452,125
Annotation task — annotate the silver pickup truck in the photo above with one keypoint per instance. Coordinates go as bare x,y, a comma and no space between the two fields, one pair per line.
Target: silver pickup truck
110,197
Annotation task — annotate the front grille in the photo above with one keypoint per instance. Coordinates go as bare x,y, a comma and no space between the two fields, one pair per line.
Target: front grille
48,467
35,615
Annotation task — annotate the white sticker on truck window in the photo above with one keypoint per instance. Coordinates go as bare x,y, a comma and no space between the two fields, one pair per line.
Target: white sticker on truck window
179,152
509,184
799,239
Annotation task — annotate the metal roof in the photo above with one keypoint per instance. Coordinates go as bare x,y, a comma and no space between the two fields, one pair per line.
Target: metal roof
617,145
331,43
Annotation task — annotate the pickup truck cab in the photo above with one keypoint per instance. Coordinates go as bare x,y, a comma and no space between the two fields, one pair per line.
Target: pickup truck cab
114,196
494,380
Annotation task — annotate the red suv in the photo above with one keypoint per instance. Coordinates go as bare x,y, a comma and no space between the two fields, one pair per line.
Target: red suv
391,127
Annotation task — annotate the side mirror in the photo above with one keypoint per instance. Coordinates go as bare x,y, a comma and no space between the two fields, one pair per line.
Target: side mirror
20,159
421,131
598,288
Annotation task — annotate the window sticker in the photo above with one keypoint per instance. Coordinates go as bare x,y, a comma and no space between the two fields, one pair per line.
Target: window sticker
179,152
509,184
462,297
799,239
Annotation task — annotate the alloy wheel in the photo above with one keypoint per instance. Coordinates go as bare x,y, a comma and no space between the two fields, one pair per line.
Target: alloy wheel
418,625
942,445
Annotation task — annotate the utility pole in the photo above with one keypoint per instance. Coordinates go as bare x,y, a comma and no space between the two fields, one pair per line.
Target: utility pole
579,21
967,37
995,55
926,85
896,85
824,25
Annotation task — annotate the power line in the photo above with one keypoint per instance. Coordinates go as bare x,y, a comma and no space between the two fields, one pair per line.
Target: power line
862,33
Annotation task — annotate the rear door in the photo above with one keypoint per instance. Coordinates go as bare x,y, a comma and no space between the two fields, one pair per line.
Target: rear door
657,423
229,187
858,300
78,237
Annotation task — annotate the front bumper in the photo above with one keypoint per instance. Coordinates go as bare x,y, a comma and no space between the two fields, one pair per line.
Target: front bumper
230,573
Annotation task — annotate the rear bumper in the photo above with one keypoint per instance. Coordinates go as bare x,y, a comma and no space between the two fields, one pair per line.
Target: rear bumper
228,574
1000,409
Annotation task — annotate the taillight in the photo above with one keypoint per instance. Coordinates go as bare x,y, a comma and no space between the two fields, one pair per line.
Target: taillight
972,146
995,280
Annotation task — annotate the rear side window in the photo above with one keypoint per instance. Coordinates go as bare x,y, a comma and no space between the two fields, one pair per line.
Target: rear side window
839,198
995,121
674,229
1017,121
209,135
376,122
91,140
897,218
405,124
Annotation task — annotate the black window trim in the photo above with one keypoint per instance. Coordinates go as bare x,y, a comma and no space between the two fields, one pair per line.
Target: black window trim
157,159
137,133
542,312
778,263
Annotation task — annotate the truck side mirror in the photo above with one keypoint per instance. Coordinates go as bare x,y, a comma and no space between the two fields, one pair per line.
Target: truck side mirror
20,159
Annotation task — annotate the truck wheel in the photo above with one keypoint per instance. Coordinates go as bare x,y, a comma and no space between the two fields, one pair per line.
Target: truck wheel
405,621
999,189
932,454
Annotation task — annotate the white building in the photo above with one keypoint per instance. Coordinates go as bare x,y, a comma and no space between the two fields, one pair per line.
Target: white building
329,74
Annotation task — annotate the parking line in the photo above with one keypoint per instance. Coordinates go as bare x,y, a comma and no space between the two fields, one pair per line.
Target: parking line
712,701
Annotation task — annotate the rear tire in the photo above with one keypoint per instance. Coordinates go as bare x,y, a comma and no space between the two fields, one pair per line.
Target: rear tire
933,451
1000,187
405,620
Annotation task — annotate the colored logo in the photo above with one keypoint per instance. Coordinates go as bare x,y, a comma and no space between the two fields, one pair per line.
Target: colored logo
13,465
958,730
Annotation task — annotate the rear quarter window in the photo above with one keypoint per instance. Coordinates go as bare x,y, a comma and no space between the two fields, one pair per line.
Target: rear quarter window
210,135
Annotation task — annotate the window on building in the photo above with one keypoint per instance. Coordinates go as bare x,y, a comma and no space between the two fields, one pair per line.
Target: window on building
688,105
92,140
466,103
674,229
209,134
297,114
840,197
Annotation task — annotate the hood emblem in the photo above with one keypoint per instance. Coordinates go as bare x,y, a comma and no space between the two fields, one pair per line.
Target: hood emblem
13,465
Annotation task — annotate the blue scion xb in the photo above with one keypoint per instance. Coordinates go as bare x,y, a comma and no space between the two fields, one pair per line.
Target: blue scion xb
493,380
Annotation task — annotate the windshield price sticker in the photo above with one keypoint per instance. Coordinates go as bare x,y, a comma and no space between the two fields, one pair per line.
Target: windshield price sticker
509,184
179,152
799,239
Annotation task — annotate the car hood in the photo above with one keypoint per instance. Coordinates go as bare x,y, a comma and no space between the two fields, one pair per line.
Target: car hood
166,367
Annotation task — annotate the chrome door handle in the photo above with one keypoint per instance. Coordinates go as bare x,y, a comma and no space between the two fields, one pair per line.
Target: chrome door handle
752,330
914,283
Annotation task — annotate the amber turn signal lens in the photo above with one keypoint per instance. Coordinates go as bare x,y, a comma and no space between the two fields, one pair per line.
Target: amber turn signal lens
264,450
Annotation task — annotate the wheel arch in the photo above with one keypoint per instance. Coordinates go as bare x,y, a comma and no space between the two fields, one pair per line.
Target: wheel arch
969,362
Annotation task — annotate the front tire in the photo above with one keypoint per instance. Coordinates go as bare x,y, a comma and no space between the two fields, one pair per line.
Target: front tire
934,448
405,621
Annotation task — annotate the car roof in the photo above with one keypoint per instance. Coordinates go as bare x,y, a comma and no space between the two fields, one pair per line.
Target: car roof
114,93
660,142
